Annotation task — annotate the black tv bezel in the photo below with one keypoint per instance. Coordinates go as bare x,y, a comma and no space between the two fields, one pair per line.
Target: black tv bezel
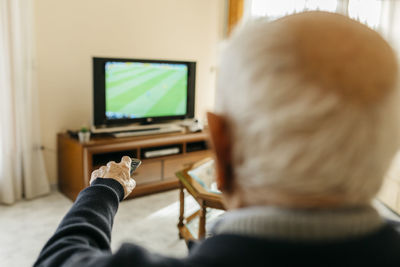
99,92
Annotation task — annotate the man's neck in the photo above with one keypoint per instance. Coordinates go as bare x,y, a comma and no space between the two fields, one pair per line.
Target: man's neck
298,224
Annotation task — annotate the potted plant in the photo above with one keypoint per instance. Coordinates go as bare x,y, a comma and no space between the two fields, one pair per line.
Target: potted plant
84,134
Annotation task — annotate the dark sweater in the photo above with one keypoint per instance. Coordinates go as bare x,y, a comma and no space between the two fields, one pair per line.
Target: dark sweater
83,239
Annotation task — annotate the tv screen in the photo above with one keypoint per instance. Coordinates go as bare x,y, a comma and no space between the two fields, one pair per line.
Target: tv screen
134,90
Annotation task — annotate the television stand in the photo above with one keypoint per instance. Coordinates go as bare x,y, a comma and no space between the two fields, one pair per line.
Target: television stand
169,128
161,155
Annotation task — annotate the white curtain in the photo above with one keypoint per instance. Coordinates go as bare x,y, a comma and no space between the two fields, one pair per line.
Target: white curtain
381,15
22,172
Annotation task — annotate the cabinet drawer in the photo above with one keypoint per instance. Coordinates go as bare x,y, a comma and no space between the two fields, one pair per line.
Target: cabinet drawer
171,166
148,172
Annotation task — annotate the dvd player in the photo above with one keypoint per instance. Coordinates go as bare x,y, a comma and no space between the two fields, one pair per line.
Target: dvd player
161,152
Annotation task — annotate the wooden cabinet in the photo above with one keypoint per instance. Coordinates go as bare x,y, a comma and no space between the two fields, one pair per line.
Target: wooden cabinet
149,172
76,161
171,166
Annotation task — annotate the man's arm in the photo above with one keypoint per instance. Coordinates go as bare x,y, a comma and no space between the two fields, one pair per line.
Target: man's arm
83,236
86,229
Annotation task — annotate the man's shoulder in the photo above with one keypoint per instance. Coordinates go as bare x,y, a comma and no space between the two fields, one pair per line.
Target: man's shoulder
236,249
379,248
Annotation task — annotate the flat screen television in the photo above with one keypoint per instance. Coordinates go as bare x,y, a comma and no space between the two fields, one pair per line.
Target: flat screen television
140,90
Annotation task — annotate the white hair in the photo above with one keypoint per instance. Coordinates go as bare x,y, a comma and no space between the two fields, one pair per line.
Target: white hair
302,134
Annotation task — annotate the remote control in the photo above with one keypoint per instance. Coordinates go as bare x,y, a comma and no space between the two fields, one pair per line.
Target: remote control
134,165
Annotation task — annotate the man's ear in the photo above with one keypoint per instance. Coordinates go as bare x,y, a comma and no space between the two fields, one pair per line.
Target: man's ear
221,142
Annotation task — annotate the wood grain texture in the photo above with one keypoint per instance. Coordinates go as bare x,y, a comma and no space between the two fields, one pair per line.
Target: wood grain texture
148,172
171,166
76,160
70,166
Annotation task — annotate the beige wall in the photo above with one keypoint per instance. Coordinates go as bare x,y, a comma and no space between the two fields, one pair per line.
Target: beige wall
70,32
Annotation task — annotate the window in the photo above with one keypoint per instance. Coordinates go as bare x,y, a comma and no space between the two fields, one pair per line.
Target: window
366,11
274,9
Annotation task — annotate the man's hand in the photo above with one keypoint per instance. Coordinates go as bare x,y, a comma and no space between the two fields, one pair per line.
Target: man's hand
117,171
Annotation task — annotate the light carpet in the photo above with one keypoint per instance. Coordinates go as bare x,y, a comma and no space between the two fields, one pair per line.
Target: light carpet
149,221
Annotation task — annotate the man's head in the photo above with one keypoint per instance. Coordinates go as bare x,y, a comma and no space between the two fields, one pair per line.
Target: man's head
306,112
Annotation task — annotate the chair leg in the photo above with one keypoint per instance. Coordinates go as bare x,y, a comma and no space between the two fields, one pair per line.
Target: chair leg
202,221
182,208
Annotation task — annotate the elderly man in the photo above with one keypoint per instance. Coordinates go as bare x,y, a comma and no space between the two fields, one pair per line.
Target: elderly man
305,131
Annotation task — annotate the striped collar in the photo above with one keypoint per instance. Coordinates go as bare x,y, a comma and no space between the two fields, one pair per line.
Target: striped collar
300,225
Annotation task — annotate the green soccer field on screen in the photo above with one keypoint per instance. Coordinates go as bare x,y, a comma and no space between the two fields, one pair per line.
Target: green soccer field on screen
138,90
